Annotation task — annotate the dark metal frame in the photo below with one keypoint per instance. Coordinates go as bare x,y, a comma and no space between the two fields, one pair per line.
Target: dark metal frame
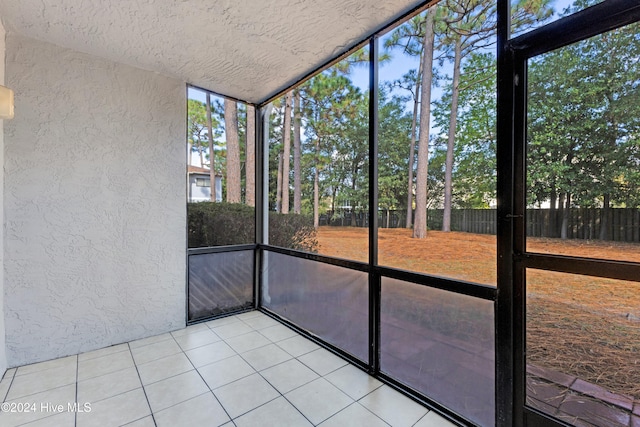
582,25
461,287
483,292
375,281
214,250
513,260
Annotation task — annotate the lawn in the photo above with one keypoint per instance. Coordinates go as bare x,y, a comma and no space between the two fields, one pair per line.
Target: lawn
584,326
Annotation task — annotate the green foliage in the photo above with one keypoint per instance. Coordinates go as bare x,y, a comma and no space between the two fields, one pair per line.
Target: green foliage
393,152
292,231
221,224
584,121
475,150
336,138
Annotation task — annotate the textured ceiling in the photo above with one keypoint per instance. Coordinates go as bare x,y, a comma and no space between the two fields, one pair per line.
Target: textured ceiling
247,49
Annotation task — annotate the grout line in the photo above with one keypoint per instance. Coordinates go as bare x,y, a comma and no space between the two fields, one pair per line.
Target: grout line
142,385
41,391
285,397
420,419
302,385
210,389
13,377
254,372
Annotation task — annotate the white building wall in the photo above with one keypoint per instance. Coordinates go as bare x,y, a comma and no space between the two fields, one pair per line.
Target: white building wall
95,240
203,194
198,194
3,354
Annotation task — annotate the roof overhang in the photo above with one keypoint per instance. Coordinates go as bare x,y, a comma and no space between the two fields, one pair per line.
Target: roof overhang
246,49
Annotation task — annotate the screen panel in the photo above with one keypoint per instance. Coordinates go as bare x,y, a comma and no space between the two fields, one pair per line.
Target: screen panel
220,283
582,340
583,148
328,301
441,344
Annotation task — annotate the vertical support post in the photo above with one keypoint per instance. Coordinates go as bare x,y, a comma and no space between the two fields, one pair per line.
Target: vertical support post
262,204
259,212
374,277
507,411
519,237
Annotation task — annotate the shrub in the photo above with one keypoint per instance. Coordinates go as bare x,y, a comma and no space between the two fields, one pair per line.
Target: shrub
220,224
292,231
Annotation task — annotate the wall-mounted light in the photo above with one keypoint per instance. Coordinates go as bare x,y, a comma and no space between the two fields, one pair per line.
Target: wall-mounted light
6,103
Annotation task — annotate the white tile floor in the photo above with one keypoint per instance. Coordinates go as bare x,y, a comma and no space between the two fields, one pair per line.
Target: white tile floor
245,370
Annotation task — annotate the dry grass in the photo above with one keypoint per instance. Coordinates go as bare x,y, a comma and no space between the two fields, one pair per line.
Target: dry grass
583,326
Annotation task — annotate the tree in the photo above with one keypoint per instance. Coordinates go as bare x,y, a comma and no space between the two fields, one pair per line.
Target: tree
409,37
212,155
420,223
395,125
279,184
474,171
584,124
286,151
471,26
251,156
297,153
335,119
196,118
233,151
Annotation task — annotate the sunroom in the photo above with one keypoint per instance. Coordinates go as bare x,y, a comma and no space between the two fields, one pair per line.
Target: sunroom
429,216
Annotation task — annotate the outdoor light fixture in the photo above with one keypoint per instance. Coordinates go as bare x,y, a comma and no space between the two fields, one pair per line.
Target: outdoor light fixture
6,103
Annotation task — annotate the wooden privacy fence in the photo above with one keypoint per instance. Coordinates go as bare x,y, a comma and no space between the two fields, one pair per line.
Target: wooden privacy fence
623,225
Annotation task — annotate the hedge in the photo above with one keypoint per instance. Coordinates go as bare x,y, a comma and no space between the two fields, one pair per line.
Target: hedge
220,224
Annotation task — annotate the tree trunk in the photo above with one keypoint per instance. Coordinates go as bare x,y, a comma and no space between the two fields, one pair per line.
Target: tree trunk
286,156
212,153
201,153
565,218
560,214
297,153
453,121
604,218
420,224
279,184
316,188
551,226
412,147
251,156
233,151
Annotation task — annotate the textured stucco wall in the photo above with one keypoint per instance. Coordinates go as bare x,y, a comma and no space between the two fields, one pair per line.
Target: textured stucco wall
3,354
94,202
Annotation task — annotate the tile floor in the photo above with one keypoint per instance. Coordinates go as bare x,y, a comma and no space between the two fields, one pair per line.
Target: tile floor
245,370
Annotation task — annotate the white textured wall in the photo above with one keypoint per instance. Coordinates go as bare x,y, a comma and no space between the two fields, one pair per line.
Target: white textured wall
3,354
246,49
94,202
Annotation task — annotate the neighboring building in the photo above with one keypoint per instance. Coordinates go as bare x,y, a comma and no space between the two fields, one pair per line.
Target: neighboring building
200,185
